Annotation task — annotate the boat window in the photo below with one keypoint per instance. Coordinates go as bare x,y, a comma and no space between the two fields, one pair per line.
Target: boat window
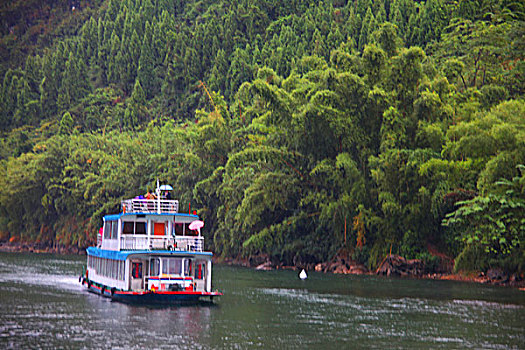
172,266
131,227
110,229
128,228
200,271
178,228
154,267
140,228
187,267
107,229
136,270
121,268
182,229
114,230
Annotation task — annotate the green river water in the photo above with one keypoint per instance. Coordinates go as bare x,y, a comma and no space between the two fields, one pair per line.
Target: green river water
42,305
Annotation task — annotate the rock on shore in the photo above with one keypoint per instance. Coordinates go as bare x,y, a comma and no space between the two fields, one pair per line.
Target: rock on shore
395,265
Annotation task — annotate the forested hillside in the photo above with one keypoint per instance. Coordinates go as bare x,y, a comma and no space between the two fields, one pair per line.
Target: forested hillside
295,128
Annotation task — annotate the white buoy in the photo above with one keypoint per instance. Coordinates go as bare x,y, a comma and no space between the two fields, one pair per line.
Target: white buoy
303,275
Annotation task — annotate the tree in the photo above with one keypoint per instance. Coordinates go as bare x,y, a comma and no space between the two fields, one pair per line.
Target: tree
74,83
405,75
367,28
66,124
113,73
219,72
374,61
239,72
49,84
135,113
386,37
494,223
146,63
127,58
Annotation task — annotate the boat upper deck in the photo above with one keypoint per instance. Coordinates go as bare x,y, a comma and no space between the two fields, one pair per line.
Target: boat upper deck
150,206
151,224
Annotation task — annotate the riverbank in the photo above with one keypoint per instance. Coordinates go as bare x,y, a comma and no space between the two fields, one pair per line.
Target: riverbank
340,264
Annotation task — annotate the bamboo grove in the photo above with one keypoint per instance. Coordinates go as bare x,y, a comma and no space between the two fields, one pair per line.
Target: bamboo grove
295,128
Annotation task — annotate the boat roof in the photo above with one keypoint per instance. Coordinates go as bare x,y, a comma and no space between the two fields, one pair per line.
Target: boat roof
122,255
118,216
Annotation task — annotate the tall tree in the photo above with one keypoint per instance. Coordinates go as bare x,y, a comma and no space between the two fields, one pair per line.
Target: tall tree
146,63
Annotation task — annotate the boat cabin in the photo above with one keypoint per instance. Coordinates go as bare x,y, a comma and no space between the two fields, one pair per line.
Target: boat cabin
150,224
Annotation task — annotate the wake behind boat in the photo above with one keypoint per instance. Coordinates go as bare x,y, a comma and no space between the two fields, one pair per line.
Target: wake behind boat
150,253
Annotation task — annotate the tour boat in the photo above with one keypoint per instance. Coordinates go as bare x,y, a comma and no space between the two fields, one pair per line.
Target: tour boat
150,253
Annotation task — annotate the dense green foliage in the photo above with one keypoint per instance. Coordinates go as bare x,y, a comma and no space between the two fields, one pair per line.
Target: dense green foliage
371,125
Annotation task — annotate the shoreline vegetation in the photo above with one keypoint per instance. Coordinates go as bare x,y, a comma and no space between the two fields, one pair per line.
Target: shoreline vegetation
340,264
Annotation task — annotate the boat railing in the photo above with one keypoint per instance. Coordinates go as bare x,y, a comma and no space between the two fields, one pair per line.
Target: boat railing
190,244
169,282
161,242
142,205
110,244
134,242
144,242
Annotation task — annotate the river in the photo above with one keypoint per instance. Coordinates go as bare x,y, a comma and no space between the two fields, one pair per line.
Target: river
42,305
